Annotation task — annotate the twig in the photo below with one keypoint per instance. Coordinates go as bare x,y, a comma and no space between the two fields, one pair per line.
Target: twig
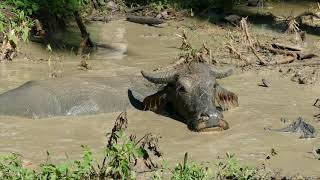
316,103
146,135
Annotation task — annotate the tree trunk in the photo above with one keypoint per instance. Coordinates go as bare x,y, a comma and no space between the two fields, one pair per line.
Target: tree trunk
86,40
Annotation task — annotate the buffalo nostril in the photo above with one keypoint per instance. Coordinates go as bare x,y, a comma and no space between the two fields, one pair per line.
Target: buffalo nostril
204,116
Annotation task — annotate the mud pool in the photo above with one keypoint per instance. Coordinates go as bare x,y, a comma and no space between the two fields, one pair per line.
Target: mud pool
134,47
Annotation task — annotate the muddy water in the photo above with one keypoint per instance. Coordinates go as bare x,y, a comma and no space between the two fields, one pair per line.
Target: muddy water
283,8
133,47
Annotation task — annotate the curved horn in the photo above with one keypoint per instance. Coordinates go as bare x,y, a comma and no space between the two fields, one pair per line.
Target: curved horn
221,73
162,77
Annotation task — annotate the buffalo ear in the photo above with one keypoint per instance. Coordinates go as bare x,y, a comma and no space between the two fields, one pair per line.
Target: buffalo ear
220,72
225,99
155,102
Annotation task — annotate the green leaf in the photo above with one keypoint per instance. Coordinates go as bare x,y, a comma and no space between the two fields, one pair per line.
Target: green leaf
1,26
140,152
12,37
25,34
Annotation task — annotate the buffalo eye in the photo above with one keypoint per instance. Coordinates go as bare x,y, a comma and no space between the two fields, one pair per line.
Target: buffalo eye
181,89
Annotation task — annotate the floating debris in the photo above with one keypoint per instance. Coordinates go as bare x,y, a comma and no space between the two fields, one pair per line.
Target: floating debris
265,83
299,126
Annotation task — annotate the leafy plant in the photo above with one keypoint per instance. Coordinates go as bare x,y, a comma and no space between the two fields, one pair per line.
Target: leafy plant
78,169
122,156
190,171
231,169
11,168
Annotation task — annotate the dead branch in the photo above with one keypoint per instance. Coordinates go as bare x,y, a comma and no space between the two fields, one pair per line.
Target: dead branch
254,51
286,60
185,45
238,54
302,56
244,27
298,55
285,47
120,124
293,26
307,13
277,51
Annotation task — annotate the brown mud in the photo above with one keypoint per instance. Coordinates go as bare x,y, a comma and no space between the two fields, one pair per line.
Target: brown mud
132,47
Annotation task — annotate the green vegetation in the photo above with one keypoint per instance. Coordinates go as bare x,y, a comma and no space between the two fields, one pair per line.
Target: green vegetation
190,170
231,169
11,167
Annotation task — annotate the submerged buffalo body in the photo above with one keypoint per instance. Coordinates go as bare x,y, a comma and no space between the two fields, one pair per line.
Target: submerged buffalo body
189,90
